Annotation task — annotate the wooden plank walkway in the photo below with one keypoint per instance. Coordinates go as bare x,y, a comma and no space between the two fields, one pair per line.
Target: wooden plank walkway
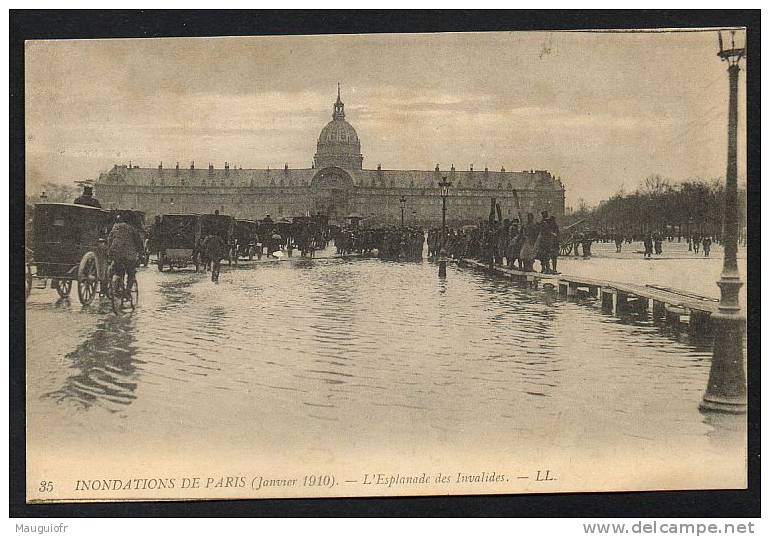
617,295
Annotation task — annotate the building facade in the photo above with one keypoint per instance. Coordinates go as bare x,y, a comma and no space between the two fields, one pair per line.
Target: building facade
336,185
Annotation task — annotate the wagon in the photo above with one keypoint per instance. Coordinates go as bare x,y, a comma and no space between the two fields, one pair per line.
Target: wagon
222,226
245,239
174,237
568,236
68,244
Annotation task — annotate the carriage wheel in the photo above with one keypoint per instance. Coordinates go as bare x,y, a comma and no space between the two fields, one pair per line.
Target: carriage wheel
88,278
64,287
28,282
565,249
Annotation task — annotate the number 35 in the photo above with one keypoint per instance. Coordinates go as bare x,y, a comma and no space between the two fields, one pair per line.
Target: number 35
46,486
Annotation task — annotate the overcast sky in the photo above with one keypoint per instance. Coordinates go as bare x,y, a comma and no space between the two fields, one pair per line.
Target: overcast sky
601,110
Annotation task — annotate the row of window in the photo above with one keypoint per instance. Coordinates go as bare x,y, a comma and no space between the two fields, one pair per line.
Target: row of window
373,184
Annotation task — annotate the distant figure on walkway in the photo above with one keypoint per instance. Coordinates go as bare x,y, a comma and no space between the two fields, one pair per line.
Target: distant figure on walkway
527,253
657,239
696,243
576,240
546,240
618,242
586,241
706,245
648,245
514,245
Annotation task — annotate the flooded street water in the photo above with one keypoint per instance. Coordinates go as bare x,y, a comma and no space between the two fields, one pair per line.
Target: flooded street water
339,360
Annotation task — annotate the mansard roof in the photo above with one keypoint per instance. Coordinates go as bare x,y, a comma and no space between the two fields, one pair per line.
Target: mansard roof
297,177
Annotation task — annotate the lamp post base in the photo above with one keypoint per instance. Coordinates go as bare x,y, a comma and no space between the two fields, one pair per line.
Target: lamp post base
726,390
723,406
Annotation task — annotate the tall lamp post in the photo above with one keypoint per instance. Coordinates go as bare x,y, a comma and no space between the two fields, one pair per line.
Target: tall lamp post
403,206
444,185
726,390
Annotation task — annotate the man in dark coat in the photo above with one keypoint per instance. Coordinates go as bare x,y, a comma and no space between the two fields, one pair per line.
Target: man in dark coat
87,198
123,247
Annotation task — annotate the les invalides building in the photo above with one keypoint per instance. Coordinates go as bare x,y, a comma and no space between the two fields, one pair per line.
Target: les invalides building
336,185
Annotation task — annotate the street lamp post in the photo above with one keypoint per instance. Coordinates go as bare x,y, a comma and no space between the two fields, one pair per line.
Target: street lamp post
444,185
726,389
403,206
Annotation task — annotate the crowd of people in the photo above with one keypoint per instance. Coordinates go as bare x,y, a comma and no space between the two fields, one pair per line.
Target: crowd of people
509,243
389,242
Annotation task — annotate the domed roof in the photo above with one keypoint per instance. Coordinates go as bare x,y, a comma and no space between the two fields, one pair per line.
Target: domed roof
339,131
338,143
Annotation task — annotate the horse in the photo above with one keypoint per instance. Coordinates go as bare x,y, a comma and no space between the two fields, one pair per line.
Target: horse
213,250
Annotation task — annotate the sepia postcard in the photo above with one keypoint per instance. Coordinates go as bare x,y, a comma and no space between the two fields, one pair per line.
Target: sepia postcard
385,264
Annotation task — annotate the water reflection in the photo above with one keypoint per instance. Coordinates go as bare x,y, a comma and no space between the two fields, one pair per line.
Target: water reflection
105,367
374,345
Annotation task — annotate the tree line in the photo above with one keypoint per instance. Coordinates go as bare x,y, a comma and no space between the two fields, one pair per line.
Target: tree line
690,208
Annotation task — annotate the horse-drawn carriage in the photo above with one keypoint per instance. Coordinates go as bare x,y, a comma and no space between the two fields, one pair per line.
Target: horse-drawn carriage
68,244
245,239
219,225
174,237
307,234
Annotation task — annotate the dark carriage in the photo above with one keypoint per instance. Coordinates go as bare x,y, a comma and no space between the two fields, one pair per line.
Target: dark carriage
220,225
245,239
308,234
174,237
68,244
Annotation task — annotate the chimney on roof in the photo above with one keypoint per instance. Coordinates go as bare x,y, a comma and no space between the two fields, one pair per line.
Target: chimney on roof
192,165
486,169
286,168
211,169
502,169
160,168
437,166
471,167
